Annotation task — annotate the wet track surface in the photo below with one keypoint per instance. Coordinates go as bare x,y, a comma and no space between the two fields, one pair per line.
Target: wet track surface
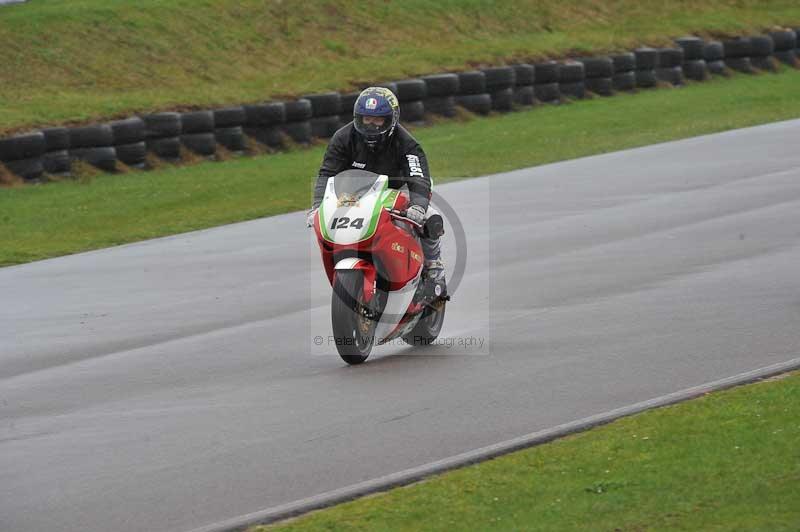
174,383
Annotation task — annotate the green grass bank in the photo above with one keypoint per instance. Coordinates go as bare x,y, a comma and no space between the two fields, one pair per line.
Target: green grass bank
80,60
38,222
727,461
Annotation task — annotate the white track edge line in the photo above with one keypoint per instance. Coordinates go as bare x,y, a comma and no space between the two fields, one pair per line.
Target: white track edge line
408,476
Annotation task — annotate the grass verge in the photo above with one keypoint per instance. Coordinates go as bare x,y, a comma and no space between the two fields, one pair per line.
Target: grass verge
727,461
38,222
79,60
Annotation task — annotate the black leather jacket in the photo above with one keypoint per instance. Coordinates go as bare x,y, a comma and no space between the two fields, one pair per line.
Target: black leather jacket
402,159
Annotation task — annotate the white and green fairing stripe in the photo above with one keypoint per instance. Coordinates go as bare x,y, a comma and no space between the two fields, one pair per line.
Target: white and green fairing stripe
388,198
376,212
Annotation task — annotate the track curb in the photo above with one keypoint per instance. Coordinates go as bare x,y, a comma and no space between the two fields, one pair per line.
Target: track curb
408,476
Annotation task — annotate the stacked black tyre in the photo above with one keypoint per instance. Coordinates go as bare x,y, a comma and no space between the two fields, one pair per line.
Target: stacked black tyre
441,91
472,92
198,133
23,155
670,66
500,82
599,75
411,94
263,123
785,46
694,63
94,145
524,79
129,142
546,87
325,111
163,135
763,48
714,55
737,54
624,71
348,105
797,38
646,64
229,128
298,120
56,156
571,78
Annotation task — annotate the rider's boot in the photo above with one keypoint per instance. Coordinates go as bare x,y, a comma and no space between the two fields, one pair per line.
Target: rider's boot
435,277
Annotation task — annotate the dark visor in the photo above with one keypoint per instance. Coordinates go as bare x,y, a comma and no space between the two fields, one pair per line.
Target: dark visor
370,127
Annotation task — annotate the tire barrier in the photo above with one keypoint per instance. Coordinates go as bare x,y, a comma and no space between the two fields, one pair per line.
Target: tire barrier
56,157
500,82
472,94
198,132
525,77
624,72
763,49
797,38
714,55
737,54
129,141
298,120
599,75
229,128
23,155
646,63
94,145
546,87
472,82
571,76
263,123
52,151
442,106
162,135
477,103
670,66
785,46
325,111
348,103
411,93
441,90
694,62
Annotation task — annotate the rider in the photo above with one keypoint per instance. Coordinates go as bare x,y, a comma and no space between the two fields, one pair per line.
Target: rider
374,141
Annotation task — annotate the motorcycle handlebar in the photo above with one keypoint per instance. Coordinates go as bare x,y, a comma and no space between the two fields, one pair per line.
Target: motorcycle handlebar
402,216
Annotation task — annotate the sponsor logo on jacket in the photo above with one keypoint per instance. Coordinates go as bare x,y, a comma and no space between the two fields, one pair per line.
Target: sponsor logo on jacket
414,166
359,165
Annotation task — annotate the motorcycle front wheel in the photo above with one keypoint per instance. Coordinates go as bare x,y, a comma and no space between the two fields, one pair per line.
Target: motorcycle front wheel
353,323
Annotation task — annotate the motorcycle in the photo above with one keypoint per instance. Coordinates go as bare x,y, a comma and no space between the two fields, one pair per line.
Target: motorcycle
374,260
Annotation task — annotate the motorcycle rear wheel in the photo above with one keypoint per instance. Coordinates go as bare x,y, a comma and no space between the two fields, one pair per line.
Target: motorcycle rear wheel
353,329
428,327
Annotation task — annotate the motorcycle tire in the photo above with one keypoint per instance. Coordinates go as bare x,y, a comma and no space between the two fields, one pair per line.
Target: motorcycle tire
428,327
354,333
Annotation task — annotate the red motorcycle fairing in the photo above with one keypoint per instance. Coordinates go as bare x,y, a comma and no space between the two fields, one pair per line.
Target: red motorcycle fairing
393,246
369,277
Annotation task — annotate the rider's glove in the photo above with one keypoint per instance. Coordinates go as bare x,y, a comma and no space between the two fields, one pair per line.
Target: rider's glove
416,214
310,217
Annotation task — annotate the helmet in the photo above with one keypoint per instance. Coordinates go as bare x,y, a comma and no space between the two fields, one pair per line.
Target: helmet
377,103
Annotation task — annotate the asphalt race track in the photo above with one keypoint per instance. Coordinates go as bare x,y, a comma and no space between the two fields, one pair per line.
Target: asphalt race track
175,383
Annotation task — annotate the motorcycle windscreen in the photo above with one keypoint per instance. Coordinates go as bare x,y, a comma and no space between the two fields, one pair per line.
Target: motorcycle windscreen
352,184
